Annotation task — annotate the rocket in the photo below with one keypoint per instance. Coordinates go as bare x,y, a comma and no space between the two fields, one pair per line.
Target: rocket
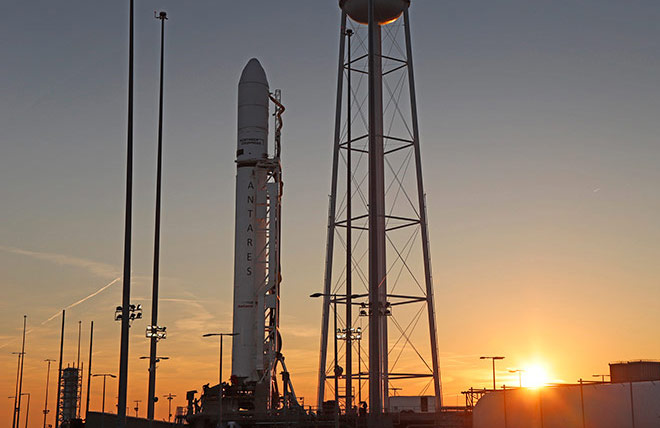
250,267
257,345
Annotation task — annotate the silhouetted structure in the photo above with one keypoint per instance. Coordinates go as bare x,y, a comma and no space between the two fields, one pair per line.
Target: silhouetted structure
379,150
634,371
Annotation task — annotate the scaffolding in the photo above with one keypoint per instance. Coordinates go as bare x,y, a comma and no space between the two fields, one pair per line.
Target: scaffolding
70,389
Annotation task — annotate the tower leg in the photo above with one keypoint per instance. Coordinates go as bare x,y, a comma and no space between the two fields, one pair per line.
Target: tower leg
426,253
331,220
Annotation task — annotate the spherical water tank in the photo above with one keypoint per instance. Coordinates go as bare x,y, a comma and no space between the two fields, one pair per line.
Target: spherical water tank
385,11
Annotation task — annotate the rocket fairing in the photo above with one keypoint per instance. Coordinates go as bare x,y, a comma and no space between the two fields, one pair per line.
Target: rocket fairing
250,270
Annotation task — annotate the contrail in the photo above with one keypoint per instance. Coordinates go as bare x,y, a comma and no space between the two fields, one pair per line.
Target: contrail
100,290
73,305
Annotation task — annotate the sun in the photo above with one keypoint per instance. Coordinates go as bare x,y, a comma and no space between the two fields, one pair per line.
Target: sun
535,376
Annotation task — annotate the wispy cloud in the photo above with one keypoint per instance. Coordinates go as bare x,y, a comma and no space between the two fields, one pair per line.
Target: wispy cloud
96,268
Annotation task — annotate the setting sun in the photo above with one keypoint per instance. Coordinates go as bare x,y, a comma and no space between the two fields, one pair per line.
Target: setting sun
535,376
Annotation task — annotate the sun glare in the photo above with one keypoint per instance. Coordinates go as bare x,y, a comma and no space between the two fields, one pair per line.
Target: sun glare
535,377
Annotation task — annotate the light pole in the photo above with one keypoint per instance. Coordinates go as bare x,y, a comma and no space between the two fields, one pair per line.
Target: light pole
220,392
89,367
359,339
152,394
601,376
128,223
27,412
137,407
519,371
337,369
20,383
492,358
169,397
105,375
154,296
349,335
15,396
46,400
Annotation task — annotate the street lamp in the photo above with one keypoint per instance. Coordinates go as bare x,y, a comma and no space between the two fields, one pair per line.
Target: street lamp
15,396
222,336
356,334
46,401
519,371
337,369
157,360
27,412
169,397
601,376
137,407
492,358
105,375
155,334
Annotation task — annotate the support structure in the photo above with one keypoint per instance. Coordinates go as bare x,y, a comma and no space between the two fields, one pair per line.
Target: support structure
380,222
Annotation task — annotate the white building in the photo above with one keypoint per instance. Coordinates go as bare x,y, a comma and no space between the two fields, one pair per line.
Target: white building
602,405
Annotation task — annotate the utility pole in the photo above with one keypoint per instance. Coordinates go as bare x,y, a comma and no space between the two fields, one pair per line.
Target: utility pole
46,400
137,407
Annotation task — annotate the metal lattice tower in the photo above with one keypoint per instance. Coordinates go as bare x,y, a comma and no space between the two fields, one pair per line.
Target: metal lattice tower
70,389
377,257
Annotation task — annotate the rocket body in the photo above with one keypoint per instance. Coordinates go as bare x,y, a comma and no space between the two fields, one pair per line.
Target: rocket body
250,269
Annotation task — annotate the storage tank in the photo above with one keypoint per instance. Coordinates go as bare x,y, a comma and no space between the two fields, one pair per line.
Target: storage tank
385,11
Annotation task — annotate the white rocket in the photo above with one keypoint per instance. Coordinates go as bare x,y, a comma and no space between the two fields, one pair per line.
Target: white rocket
257,237
250,235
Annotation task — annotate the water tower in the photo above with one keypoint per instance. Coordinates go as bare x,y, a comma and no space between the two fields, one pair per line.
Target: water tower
378,263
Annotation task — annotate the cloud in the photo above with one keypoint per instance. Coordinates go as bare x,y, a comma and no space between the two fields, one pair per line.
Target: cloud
97,268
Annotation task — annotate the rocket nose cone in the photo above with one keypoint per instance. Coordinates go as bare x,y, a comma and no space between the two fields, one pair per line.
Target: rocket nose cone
254,73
